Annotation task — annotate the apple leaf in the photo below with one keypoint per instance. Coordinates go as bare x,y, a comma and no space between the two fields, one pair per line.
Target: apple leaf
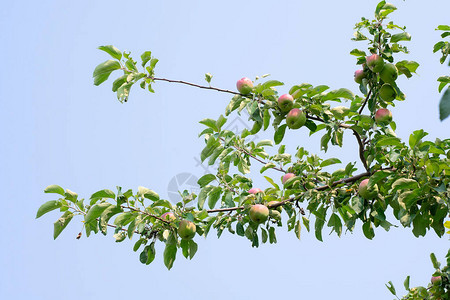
205,179
47,207
103,70
444,105
55,189
404,36
279,134
111,50
61,223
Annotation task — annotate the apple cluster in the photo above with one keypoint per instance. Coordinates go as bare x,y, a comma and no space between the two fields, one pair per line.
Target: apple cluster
387,73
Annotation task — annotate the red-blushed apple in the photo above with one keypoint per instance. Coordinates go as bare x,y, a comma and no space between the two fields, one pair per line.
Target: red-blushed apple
244,86
285,102
186,229
295,118
383,116
254,191
436,280
287,176
387,92
359,76
375,63
278,208
389,73
168,216
259,213
365,192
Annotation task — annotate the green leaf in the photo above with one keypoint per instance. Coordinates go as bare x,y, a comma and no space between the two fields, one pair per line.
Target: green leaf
357,52
279,134
389,141
266,119
415,137
119,82
267,166
208,77
340,93
443,27
147,193
145,57
271,83
210,123
95,211
240,229
47,207
305,222
220,122
151,253
444,105
376,177
336,223
272,236
205,179
103,70
202,196
170,251
330,161
214,196
391,288
61,223
404,36
406,283
111,50
55,189
368,230
264,143
404,183
298,228
106,215
124,219
407,67
192,248
103,194
436,263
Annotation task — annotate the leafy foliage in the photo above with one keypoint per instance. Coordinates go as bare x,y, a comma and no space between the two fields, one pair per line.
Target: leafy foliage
444,48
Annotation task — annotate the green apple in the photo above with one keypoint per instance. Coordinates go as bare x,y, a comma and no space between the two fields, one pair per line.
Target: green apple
168,216
186,229
259,213
359,76
285,102
383,116
387,92
375,63
365,192
244,86
295,118
389,73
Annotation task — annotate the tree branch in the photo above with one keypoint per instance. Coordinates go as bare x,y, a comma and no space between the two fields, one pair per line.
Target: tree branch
365,101
196,85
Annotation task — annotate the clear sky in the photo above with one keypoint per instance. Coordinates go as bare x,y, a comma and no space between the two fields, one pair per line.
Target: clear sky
58,128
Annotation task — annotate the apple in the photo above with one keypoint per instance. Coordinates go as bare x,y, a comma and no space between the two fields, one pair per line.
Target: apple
383,116
375,63
436,280
287,177
278,208
295,118
285,102
254,191
259,213
168,216
389,73
244,86
186,229
364,192
359,76
387,92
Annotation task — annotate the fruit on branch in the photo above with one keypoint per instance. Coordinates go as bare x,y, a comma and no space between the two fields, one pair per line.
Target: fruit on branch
168,216
359,76
254,191
436,280
278,208
285,102
375,63
296,118
387,92
389,73
186,229
244,86
383,116
365,192
287,177
259,213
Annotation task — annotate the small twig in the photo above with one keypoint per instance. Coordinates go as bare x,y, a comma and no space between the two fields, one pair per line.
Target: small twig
196,85
365,101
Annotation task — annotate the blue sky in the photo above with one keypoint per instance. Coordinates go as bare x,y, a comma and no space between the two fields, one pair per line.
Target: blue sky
58,128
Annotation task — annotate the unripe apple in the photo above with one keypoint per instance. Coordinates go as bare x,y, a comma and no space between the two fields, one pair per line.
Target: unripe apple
359,76
254,191
186,229
383,116
168,216
436,280
285,102
389,73
387,92
375,63
287,176
295,118
278,208
365,192
259,213
244,85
